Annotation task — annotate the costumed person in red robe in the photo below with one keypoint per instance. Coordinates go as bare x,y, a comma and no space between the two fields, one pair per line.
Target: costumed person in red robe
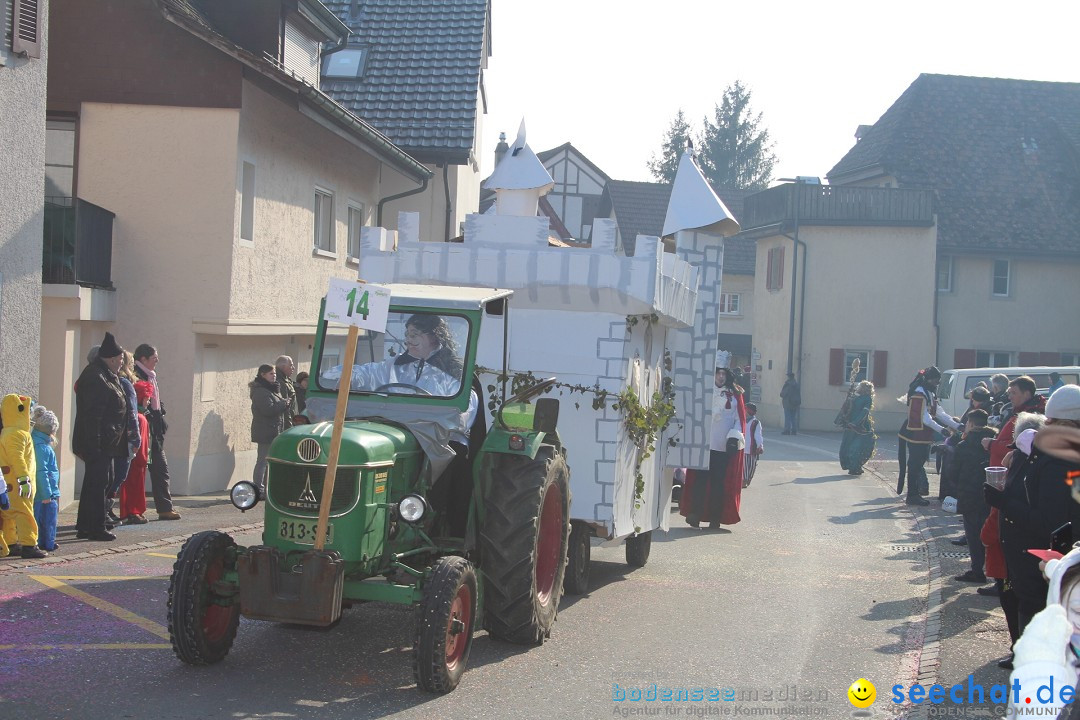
918,432
133,490
713,495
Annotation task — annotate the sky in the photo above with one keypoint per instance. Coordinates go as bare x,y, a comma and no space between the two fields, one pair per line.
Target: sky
609,75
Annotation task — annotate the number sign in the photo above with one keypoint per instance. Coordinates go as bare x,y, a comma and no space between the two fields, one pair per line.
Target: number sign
352,303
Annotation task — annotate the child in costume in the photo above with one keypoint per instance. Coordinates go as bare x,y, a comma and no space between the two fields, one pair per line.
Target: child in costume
20,469
133,491
47,497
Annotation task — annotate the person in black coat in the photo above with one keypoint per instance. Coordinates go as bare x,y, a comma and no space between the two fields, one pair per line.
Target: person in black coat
267,413
99,435
966,472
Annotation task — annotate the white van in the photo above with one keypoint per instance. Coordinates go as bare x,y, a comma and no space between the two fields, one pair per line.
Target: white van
956,384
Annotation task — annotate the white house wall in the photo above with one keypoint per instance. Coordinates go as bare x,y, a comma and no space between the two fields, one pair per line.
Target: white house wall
22,180
214,306
1037,312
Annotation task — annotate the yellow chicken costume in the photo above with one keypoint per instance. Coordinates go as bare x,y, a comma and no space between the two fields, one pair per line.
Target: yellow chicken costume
20,471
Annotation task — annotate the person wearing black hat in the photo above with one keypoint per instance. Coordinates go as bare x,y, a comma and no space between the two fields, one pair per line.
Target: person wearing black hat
100,434
918,432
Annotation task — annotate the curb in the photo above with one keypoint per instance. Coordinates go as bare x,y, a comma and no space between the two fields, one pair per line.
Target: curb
119,550
927,634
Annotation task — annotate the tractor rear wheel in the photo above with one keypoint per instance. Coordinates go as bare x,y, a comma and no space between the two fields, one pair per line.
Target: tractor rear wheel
523,543
202,622
637,549
444,625
577,565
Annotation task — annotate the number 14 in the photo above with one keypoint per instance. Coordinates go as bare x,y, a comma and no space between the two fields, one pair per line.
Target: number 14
360,307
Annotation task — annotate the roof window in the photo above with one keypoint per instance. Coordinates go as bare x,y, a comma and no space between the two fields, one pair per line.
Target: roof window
347,63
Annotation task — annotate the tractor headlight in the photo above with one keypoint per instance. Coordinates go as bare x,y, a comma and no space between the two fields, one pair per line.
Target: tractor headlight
244,495
412,508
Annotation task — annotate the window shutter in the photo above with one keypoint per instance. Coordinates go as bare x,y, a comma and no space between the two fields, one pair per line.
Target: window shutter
836,366
1029,358
768,271
963,358
1049,358
780,271
26,28
881,368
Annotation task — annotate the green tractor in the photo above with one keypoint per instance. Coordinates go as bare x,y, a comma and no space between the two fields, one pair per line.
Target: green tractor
430,507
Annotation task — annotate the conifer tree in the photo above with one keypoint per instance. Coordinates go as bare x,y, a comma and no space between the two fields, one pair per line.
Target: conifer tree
663,167
736,151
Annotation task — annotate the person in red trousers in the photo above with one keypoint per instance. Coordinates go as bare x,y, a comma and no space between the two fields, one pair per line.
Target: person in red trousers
133,491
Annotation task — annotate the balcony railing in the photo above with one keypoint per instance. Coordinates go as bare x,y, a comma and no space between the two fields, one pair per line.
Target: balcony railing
78,243
833,205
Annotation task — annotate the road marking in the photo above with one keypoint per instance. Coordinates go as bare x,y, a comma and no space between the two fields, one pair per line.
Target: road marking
56,583
88,646
110,578
171,557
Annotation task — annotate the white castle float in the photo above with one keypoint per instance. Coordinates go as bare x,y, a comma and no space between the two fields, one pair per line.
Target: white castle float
592,319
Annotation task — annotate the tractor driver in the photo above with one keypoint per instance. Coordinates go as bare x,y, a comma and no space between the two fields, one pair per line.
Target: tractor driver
431,362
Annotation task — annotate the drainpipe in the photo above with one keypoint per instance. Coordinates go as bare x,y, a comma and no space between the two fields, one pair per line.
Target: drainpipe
446,192
801,288
794,283
407,193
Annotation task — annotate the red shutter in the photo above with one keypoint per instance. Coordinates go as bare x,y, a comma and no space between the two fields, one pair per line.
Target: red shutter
963,358
1049,358
836,366
881,368
26,28
1029,358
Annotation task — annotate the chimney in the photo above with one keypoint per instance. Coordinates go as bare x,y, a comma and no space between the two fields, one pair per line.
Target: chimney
501,149
860,132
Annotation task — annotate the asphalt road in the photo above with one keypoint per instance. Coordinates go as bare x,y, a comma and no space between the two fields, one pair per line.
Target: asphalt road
816,587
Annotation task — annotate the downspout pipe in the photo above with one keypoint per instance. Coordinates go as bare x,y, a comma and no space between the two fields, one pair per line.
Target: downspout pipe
802,302
389,198
446,192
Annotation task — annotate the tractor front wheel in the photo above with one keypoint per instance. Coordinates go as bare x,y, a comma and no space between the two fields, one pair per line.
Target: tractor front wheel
523,542
577,566
202,619
444,625
637,549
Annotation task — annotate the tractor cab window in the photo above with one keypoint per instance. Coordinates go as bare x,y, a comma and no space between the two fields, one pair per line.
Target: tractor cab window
419,355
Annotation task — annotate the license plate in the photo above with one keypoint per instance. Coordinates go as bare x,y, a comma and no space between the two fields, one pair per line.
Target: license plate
302,532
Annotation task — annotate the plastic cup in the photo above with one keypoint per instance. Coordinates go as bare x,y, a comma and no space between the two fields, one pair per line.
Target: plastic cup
995,477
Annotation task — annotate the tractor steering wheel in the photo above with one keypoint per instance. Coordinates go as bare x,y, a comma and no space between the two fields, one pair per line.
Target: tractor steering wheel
419,390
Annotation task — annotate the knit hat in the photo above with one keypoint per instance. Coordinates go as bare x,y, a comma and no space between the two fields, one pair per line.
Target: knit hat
143,391
45,420
980,393
1064,404
109,347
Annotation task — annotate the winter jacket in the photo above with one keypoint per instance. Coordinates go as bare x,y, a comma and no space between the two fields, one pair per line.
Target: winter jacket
287,390
1033,505
48,474
999,446
100,413
267,411
791,395
966,471
133,437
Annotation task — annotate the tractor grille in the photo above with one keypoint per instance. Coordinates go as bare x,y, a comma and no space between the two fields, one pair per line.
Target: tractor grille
288,486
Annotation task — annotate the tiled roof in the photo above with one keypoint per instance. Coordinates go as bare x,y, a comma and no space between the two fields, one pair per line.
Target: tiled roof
1000,156
640,208
421,79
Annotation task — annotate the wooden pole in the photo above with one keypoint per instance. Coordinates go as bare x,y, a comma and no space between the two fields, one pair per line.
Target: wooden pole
344,385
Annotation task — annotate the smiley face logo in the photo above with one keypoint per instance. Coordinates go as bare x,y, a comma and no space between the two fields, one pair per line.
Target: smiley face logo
862,693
